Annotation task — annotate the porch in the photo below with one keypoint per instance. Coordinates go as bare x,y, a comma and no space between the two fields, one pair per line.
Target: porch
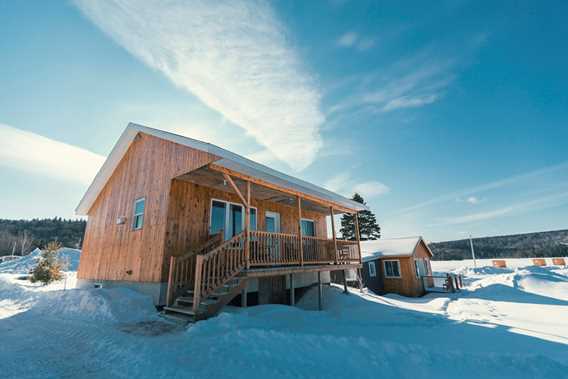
243,252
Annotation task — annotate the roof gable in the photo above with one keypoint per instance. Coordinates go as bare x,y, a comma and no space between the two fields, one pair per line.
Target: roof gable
226,159
393,247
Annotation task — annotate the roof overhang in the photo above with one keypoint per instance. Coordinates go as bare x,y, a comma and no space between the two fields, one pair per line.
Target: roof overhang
227,161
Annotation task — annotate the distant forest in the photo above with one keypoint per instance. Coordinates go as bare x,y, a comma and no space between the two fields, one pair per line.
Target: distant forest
541,244
22,236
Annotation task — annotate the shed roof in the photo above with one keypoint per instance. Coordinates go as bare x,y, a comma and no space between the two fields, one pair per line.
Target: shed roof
393,247
227,159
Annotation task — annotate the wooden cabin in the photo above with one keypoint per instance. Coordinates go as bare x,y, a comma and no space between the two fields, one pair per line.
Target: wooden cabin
195,226
396,265
539,262
499,263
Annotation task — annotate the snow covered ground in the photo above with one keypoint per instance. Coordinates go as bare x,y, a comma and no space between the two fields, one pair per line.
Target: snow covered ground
507,323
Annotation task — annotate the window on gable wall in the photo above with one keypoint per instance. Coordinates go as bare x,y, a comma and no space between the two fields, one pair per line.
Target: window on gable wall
138,219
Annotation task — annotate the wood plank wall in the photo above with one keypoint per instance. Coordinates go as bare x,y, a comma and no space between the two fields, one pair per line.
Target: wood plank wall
116,252
408,284
189,213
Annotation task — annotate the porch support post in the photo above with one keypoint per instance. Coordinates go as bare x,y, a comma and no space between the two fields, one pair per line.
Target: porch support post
345,290
300,231
244,295
247,227
237,190
335,253
292,294
358,236
320,292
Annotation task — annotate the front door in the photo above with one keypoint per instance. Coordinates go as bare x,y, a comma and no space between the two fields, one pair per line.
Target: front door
272,224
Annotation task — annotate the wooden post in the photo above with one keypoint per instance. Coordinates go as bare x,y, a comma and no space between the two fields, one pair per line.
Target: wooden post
244,295
358,236
300,230
292,294
170,293
345,290
197,284
334,237
320,292
247,227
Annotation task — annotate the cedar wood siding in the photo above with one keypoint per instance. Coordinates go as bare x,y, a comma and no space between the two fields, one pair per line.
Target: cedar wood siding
146,170
176,216
190,208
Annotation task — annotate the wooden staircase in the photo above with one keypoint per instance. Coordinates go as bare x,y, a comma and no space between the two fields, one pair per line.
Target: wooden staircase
201,283
183,308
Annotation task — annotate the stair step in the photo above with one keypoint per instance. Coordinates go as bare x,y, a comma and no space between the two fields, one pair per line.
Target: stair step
177,317
180,309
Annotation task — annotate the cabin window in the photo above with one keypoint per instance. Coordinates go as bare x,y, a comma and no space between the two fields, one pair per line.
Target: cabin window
392,269
229,217
138,220
308,228
421,267
372,270
218,215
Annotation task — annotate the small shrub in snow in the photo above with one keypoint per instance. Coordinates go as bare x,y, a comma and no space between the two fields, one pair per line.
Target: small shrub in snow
48,268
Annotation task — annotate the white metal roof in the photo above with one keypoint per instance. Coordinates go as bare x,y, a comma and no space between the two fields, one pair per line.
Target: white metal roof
393,247
228,160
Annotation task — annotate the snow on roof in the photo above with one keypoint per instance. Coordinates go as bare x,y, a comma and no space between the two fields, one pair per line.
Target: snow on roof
393,247
228,160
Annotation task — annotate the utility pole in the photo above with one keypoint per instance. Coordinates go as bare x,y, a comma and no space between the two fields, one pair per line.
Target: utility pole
472,252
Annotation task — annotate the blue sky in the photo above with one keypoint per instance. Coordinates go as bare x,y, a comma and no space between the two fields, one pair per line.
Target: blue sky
450,118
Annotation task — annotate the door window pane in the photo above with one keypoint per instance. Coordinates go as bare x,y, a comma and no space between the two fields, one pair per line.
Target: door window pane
252,219
236,219
270,224
308,228
217,217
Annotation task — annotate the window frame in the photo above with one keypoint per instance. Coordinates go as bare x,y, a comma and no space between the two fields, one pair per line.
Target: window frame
313,223
386,272
136,215
373,272
227,214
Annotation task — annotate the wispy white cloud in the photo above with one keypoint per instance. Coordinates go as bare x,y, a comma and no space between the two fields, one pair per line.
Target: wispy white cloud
516,208
30,152
354,40
411,83
348,39
473,200
232,55
344,184
508,181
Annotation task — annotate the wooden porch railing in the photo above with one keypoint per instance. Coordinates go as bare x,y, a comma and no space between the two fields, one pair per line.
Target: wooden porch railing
216,262
217,267
347,251
317,250
268,249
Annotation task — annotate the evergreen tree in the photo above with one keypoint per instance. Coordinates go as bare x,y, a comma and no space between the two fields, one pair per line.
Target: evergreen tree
368,227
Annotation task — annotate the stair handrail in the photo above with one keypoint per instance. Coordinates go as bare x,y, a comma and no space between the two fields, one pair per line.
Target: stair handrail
182,268
216,267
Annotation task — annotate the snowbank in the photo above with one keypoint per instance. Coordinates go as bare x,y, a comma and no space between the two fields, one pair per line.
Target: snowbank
24,264
505,324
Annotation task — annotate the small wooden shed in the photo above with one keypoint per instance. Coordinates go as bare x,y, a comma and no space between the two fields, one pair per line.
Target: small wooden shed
396,265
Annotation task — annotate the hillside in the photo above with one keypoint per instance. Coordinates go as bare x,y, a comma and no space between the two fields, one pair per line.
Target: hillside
26,235
541,244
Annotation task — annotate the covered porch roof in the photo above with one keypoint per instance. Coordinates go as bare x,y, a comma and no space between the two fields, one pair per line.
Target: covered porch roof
214,176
